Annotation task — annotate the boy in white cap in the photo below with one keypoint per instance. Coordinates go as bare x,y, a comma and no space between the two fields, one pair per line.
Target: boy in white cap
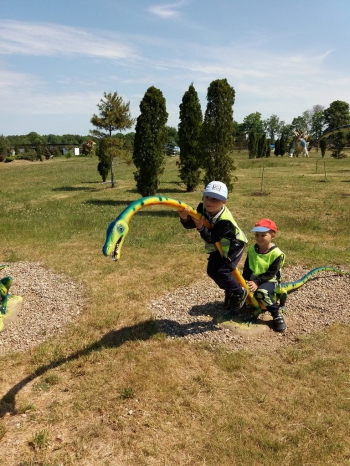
224,230
262,269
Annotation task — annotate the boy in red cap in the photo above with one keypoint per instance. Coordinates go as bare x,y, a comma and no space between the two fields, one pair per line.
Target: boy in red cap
262,269
224,230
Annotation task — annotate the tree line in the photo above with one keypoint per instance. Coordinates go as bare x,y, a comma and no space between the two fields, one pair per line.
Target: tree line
206,144
206,141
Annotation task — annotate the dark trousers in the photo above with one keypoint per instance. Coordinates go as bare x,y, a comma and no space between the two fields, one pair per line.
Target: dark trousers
220,270
265,293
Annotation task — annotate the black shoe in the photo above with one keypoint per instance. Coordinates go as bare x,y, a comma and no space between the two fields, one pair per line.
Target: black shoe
279,323
227,306
237,301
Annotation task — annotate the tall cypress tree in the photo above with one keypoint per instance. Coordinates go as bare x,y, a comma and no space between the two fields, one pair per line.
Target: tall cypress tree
189,139
323,146
261,146
104,163
283,145
252,144
149,144
277,147
218,132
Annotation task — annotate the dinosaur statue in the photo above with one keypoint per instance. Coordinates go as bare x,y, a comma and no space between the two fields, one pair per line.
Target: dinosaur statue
299,144
119,228
5,285
87,147
9,303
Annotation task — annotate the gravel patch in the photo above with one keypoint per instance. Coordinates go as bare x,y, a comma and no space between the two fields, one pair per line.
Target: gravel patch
191,312
50,302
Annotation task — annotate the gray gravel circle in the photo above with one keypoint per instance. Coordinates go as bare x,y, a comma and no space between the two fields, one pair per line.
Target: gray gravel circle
190,312
51,301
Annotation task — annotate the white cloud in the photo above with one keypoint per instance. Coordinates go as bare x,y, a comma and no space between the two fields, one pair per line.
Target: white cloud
37,39
265,80
22,93
166,11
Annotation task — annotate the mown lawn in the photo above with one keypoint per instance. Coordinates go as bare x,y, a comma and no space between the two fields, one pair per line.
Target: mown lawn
113,391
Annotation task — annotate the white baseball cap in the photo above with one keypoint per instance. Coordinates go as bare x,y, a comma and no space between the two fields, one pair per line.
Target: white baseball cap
217,190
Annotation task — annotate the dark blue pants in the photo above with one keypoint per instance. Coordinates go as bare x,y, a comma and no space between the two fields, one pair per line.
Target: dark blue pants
264,293
220,270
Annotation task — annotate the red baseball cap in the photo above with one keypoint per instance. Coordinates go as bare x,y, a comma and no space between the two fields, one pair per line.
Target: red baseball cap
265,224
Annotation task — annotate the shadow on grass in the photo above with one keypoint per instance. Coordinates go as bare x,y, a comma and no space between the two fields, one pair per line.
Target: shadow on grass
113,339
72,188
172,190
111,202
165,192
164,211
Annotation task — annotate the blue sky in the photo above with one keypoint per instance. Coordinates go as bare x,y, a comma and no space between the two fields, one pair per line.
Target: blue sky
58,57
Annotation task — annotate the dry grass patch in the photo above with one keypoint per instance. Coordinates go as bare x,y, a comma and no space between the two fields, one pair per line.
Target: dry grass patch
110,389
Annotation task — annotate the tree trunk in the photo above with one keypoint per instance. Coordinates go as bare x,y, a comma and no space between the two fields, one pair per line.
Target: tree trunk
112,173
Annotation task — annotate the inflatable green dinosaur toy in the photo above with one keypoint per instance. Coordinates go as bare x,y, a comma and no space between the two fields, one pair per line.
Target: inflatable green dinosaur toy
119,228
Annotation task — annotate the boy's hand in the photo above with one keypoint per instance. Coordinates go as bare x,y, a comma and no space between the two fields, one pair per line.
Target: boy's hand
184,213
198,223
252,286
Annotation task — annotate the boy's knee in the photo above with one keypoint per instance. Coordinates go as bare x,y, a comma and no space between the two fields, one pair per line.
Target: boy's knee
263,295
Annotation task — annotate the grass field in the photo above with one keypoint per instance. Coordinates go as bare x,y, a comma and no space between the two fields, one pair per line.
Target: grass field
112,391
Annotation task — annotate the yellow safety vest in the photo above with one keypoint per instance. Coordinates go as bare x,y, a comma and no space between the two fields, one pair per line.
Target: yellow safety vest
225,243
260,263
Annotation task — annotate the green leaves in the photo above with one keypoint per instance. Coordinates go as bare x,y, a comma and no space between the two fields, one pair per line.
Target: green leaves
218,133
150,139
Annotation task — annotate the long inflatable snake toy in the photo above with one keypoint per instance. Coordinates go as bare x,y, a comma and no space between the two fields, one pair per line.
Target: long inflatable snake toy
119,228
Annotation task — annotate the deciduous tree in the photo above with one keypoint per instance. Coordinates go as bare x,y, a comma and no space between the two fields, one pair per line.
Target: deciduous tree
253,122
273,127
337,114
114,116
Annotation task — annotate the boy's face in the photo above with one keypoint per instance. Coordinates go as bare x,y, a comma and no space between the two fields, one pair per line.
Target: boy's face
212,205
264,238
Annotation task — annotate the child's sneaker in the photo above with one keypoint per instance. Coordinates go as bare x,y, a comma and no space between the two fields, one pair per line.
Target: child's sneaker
237,301
227,306
279,323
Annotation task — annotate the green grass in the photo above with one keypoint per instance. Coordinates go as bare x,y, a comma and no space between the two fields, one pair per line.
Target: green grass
111,390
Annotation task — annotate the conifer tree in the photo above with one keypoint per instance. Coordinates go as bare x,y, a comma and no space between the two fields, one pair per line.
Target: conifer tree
252,144
323,146
339,143
218,132
150,139
277,147
189,139
261,146
104,163
283,145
